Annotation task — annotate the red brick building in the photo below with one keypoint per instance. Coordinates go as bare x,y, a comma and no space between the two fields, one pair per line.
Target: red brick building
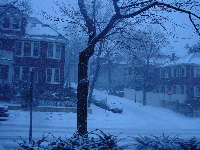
26,44
181,77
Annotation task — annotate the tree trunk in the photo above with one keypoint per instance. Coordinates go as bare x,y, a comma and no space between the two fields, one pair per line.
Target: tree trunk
109,74
96,74
144,97
82,90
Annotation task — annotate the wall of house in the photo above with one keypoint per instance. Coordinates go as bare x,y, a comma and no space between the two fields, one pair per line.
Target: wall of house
41,62
154,99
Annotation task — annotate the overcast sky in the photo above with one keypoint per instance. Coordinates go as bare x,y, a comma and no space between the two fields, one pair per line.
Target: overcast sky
184,35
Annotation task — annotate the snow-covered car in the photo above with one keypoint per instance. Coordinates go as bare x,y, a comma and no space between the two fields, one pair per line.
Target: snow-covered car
115,107
4,111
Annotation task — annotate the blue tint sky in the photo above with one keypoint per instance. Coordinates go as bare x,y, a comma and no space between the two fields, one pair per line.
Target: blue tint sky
184,33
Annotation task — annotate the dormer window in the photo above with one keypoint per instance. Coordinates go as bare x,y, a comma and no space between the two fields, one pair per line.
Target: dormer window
16,23
6,23
9,23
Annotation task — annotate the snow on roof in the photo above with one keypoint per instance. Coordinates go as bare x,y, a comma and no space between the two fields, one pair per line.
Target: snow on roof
39,29
36,29
193,58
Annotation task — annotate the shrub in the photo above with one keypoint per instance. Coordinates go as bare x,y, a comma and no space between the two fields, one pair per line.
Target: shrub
99,140
165,143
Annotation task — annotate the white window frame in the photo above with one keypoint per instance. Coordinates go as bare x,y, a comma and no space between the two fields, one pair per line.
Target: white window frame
197,71
21,68
53,54
31,50
52,76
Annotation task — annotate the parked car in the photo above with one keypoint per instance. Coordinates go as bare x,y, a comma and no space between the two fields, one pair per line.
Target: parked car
4,111
115,107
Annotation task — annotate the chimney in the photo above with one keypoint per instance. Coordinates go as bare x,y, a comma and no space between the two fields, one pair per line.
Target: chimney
173,57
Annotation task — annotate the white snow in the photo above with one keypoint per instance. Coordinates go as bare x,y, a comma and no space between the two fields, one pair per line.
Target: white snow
193,58
135,119
39,29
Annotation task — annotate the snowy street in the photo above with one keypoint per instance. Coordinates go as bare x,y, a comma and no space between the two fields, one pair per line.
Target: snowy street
135,119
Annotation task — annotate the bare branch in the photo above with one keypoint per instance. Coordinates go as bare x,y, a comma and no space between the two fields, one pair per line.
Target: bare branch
88,20
197,30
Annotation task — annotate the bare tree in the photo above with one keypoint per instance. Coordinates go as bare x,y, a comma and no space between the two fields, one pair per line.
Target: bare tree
121,10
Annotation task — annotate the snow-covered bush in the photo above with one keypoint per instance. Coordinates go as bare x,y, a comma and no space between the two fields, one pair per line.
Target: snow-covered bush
165,143
189,108
98,140
94,140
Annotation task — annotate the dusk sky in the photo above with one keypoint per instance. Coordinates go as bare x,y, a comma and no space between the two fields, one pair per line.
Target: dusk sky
184,32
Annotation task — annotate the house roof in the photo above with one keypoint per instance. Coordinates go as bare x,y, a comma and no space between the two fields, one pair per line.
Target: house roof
34,29
192,58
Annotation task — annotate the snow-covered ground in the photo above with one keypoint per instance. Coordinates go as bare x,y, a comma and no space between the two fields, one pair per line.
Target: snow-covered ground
135,119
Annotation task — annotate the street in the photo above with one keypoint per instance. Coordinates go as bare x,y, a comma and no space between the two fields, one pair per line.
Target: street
134,121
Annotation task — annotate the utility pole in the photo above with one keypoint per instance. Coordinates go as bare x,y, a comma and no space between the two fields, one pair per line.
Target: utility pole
31,104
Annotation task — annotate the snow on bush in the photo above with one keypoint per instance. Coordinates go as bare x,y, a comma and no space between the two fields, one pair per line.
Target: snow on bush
166,143
98,140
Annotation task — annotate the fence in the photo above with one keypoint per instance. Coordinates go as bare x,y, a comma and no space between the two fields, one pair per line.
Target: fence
154,99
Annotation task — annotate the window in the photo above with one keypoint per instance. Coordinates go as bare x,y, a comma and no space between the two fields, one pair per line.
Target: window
130,70
182,89
11,23
174,89
16,74
0,45
50,50
182,71
167,73
22,73
53,75
54,50
27,48
35,70
197,91
18,48
175,72
162,89
58,50
36,49
25,73
16,23
196,71
3,72
162,73
179,89
6,23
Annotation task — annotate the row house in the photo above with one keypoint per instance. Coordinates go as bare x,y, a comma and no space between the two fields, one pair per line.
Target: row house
181,78
26,44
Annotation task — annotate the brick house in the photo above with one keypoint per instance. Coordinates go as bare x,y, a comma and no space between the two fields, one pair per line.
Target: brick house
26,44
181,78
